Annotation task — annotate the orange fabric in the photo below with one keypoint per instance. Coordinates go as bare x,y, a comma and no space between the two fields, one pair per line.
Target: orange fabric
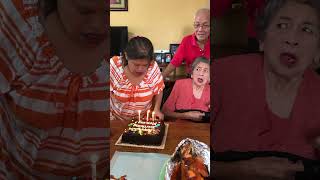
47,113
126,98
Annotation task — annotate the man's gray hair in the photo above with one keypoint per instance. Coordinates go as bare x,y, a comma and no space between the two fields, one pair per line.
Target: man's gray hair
202,10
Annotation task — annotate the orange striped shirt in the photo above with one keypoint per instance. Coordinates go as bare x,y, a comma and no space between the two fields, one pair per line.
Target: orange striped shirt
52,121
125,98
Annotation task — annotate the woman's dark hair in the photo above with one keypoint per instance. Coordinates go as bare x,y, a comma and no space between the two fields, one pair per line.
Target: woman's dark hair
138,48
48,6
272,7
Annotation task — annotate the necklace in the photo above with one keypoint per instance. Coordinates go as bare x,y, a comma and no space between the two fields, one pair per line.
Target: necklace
197,91
197,88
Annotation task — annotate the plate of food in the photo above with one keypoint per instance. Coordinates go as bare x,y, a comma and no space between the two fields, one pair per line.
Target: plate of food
191,160
120,178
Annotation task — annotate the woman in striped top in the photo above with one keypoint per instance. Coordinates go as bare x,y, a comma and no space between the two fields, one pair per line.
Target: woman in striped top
53,89
136,81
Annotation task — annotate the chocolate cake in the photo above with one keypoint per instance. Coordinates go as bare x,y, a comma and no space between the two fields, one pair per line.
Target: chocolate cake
144,132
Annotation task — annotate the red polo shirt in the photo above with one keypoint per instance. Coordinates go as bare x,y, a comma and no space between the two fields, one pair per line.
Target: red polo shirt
189,50
243,120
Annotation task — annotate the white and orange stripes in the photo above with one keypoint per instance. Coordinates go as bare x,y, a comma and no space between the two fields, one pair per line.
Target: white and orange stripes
51,120
125,98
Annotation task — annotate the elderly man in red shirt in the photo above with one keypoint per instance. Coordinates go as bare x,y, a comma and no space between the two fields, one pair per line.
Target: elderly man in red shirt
194,45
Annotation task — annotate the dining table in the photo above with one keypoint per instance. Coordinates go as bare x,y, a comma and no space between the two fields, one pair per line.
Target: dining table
129,160
177,131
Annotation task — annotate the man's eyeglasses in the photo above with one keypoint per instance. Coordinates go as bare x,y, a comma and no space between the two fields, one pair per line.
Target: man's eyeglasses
204,26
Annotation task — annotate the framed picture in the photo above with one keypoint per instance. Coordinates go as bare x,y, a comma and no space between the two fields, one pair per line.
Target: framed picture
173,48
168,57
119,5
158,57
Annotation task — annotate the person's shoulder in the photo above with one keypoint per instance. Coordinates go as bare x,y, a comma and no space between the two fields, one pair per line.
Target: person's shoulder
154,67
154,64
312,87
182,84
313,78
240,60
20,6
153,73
238,65
187,38
116,60
183,81
19,13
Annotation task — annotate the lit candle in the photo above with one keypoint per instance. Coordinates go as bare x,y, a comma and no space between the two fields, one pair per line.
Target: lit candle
139,112
94,159
153,115
148,115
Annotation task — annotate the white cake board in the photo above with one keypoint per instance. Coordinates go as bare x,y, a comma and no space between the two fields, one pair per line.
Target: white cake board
163,143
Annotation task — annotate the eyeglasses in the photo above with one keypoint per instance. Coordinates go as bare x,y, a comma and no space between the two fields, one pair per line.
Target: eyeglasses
204,26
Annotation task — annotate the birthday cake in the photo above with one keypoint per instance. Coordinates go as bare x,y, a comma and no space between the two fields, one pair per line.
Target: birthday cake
144,132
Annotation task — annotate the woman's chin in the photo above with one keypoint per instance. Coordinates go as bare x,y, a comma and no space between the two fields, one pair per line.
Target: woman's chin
138,74
285,73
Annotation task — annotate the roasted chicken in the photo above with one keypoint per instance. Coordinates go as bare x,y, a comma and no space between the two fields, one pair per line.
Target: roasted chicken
189,166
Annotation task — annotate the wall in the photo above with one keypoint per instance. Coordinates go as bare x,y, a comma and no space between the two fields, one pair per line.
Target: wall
229,35
162,21
230,30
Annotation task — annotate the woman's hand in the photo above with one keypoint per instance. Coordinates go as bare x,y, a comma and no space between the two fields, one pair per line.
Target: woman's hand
273,167
159,114
265,168
193,115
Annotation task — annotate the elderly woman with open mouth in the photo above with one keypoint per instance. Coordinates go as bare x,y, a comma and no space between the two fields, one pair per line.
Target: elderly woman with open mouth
270,102
190,98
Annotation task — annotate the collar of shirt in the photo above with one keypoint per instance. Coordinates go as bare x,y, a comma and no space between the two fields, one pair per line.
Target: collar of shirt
194,41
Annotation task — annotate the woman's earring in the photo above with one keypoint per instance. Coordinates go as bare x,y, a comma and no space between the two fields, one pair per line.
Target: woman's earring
316,62
261,46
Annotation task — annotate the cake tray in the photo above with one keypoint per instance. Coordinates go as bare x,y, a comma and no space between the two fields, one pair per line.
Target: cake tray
162,146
